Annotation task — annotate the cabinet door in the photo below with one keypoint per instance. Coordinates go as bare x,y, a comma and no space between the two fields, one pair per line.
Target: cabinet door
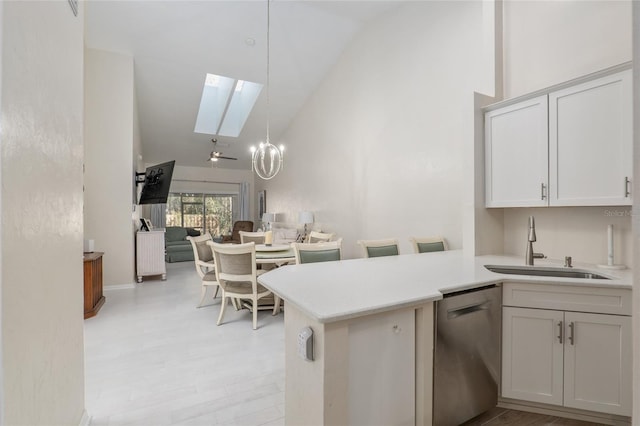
597,366
590,143
532,355
150,253
382,371
516,154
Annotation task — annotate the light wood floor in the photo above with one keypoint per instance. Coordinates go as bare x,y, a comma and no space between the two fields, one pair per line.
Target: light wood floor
152,358
503,417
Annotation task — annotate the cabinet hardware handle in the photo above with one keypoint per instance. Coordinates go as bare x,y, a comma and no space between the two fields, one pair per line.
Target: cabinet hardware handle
571,331
627,191
560,331
542,192
455,313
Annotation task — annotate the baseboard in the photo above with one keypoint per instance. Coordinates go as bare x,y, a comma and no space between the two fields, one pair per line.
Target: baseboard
570,413
86,419
118,287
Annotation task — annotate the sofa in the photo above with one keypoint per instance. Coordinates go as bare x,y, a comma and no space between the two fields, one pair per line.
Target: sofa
177,247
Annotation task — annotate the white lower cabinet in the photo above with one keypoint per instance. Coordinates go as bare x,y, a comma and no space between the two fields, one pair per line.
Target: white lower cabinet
532,356
573,359
150,254
378,393
597,363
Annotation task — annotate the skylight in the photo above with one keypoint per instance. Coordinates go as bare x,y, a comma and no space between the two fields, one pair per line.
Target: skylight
225,105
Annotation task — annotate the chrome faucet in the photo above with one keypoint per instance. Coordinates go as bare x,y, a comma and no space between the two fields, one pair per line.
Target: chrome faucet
530,255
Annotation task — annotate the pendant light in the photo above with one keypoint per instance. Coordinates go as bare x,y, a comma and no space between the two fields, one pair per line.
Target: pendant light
267,160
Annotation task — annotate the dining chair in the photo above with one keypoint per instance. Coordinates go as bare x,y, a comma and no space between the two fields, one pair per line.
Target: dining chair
379,248
319,237
239,225
428,244
247,237
317,252
236,273
205,266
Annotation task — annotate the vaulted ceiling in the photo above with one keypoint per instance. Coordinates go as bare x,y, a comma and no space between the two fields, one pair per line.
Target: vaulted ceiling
176,43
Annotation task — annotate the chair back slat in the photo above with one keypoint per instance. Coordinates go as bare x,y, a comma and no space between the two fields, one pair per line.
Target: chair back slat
379,248
318,252
430,247
381,251
203,251
429,244
320,237
319,256
235,264
252,237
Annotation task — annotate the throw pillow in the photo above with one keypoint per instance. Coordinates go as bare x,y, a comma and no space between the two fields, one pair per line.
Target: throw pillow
193,232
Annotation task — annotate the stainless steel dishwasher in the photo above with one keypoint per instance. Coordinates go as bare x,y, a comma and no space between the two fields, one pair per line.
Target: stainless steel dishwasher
466,369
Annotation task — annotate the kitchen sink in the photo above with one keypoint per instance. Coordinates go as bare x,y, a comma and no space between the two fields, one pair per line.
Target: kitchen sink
545,271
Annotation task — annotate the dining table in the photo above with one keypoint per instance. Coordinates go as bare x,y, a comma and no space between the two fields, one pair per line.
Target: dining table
277,254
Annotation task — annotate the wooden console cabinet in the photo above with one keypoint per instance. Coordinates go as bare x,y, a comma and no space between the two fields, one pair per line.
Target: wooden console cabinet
93,298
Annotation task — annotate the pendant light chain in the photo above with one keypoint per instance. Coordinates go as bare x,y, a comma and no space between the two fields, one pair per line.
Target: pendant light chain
268,76
267,160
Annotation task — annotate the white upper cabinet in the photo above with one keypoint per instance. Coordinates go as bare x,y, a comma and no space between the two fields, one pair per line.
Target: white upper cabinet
590,143
516,152
569,146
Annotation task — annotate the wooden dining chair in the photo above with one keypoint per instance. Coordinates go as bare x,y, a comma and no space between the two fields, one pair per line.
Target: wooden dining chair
428,244
379,248
317,252
319,237
236,273
205,266
248,237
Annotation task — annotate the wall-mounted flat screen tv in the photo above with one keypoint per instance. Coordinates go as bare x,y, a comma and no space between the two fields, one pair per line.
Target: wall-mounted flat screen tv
157,181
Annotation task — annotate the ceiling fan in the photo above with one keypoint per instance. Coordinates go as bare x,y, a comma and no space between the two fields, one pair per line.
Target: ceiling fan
217,155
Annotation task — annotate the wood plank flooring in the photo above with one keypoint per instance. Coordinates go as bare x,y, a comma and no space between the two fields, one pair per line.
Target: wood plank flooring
503,417
152,358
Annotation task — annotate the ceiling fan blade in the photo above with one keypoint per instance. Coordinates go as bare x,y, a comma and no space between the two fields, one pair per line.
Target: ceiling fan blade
227,158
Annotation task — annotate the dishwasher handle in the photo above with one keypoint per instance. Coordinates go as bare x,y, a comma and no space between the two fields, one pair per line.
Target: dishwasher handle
455,313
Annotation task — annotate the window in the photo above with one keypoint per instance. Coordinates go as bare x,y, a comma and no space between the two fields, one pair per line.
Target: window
212,213
225,105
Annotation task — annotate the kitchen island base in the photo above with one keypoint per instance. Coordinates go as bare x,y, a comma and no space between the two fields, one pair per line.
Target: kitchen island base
374,369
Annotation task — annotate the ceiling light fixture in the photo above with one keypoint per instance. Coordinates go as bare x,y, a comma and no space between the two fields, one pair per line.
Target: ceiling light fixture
267,159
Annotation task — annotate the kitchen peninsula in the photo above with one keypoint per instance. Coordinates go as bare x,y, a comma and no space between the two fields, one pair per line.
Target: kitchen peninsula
373,330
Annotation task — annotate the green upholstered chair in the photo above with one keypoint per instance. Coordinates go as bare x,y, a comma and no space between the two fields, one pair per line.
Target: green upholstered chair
205,267
429,244
237,275
379,248
318,252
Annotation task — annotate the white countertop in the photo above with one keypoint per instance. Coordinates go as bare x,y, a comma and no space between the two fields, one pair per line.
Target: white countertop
334,291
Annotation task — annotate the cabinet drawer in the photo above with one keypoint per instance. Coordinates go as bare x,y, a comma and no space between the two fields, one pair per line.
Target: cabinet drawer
614,301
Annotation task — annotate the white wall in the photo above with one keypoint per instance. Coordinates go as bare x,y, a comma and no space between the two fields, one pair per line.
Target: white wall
109,150
579,232
548,42
377,150
41,260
